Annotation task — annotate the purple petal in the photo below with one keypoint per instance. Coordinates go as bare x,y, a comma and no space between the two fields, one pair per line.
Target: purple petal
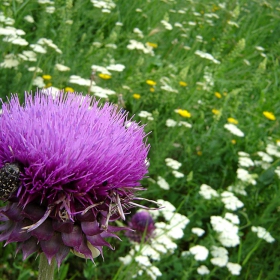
13,213
73,239
18,235
51,247
97,240
87,217
83,249
5,234
60,226
91,228
33,212
61,254
29,247
44,231
106,234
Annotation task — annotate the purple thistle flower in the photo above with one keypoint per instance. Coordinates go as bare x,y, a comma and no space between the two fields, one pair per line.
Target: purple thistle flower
69,167
143,226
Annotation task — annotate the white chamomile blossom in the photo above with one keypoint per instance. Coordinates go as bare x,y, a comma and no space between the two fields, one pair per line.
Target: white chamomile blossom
234,129
146,115
207,192
50,9
238,188
35,69
234,268
198,231
38,82
138,32
232,218
170,123
177,174
272,150
172,163
203,270
38,48
277,171
231,201
259,48
220,256
227,232
263,234
135,45
185,124
167,25
162,183
199,252
244,160
265,157
74,79
111,46
169,88
62,68
245,176
10,61
15,40
116,67
29,18
207,56
101,92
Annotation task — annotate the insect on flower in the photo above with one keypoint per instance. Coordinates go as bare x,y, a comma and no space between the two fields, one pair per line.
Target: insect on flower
9,180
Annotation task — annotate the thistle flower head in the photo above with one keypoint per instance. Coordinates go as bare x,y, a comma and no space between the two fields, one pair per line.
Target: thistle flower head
143,226
68,168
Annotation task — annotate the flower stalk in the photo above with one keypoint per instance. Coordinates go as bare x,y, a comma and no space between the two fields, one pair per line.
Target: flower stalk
46,270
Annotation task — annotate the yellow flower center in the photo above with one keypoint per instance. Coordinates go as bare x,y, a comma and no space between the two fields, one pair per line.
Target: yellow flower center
218,95
232,120
151,82
136,96
105,76
183,84
184,113
69,89
153,45
46,77
269,115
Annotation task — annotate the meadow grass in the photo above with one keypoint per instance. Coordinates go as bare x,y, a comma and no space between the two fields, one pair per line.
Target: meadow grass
199,64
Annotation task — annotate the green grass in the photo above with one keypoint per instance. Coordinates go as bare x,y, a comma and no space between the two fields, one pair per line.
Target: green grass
246,78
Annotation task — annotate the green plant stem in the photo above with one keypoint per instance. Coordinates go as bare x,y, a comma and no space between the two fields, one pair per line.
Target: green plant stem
46,270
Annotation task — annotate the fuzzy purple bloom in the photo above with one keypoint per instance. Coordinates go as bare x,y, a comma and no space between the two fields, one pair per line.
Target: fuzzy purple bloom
80,167
143,226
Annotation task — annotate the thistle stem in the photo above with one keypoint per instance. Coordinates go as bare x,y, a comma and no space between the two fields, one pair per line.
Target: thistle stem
46,270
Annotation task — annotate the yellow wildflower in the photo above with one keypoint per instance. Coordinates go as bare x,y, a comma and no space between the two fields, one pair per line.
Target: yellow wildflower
199,153
152,89
151,82
183,84
183,113
269,115
218,95
233,141
105,76
46,77
136,96
216,112
69,89
232,120
153,45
